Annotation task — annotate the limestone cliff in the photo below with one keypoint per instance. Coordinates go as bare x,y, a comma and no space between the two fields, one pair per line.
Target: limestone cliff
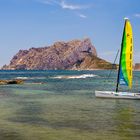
75,54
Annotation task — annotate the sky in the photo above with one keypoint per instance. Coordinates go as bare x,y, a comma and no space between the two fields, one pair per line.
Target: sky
38,23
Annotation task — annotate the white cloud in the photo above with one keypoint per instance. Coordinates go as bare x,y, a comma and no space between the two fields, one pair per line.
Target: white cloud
64,5
46,1
49,2
82,16
137,15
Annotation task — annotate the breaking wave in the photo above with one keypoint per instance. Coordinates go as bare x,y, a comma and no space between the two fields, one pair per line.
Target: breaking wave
25,78
75,76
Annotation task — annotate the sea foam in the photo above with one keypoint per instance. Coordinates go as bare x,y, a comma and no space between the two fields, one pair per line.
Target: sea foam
75,76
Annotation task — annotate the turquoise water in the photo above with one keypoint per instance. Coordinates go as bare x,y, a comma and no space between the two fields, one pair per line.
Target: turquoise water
61,105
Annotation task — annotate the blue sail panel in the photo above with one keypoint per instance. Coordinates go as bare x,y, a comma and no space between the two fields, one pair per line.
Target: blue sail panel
122,80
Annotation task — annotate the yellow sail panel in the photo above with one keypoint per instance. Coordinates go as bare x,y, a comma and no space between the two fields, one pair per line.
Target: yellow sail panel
129,52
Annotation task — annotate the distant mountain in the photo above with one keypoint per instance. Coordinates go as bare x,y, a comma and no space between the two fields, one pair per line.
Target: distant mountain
137,66
75,55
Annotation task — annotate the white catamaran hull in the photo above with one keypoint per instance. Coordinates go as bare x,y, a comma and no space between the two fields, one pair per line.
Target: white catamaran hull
121,95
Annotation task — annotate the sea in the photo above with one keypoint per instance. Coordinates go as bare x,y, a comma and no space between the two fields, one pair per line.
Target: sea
61,105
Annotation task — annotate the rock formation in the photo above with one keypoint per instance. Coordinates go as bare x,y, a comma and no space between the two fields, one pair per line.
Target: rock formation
137,66
6,82
75,54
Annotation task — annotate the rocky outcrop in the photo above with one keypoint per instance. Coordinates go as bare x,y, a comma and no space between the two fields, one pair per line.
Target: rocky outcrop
5,82
75,54
137,66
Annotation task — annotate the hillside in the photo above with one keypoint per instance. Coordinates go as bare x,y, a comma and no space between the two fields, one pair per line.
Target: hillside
75,54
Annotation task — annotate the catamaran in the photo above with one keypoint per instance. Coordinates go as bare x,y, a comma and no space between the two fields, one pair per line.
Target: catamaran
125,69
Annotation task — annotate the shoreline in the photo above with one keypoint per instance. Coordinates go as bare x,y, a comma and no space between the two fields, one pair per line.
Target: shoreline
59,69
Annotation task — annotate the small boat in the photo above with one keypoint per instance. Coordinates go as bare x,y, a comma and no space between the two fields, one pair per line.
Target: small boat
125,75
114,94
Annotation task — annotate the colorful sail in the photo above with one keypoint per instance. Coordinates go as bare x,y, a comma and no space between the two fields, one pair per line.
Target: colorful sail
126,57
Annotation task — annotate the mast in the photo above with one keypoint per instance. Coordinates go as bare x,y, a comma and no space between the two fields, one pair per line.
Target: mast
118,77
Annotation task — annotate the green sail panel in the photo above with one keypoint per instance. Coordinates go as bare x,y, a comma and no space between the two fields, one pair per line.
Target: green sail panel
126,58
